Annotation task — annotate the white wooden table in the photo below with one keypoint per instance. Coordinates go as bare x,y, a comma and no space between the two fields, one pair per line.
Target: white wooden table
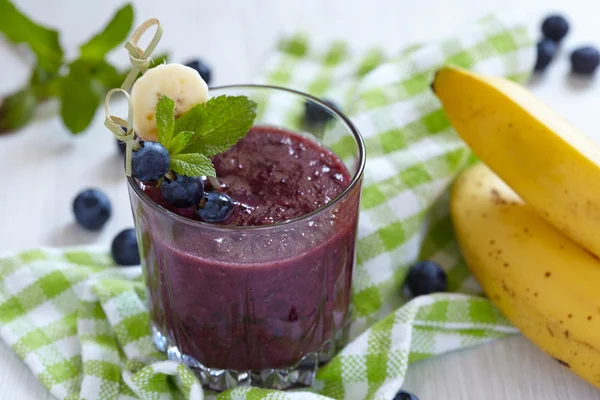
43,167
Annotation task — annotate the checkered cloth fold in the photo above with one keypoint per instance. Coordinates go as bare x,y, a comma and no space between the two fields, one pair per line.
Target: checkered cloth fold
82,325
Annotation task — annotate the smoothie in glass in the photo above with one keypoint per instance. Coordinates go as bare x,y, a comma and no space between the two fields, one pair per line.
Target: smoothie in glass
263,297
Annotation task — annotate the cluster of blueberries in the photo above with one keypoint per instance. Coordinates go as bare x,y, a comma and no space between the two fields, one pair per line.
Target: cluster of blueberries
584,60
151,163
92,208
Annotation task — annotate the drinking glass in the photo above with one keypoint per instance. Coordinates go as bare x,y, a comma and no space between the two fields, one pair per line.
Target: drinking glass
260,305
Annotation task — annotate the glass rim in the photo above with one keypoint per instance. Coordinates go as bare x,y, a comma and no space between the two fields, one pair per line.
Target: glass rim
355,179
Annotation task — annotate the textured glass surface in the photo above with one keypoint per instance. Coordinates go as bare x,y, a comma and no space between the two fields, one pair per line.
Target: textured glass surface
272,299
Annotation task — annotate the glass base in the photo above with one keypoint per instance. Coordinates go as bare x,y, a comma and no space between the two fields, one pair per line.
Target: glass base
301,374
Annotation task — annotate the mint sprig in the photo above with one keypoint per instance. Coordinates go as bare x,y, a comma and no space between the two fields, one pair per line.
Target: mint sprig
206,130
79,84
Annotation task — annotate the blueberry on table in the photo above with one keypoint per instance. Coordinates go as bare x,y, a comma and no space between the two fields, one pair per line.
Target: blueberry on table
150,162
92,209
555,27
185,191
403,395
215,207
426,277
203,69
317,114
124,248
546,48
585,60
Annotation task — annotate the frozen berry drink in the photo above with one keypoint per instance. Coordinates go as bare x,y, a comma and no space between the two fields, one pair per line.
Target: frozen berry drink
252,284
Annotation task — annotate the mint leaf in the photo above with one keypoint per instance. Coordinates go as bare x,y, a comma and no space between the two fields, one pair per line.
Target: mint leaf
219,124
113,34
165,120
43,84
106,74
17,110
192,165
80,96
180,141
190,120
43,41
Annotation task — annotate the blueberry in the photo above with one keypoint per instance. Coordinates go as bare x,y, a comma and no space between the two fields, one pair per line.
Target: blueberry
555,27
216,207
124,248
317,114
151,162
426,277
92,209
546,48
585,60
203,69
403,395
185,191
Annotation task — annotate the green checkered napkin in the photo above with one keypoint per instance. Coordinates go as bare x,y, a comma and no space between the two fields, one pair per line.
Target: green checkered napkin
82,325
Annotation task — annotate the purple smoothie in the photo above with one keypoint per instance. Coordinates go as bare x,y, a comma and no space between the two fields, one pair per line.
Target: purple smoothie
262,297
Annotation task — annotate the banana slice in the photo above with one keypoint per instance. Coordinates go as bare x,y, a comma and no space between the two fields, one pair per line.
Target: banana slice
180,83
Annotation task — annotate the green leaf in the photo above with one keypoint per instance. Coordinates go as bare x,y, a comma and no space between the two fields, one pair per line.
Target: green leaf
113,34
17,110
106,74
18,28
190,120
80,97
180,141
165,120
192,165
219,124
43,83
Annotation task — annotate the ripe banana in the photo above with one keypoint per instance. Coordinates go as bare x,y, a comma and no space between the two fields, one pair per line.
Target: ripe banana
549,163
181,84
545,284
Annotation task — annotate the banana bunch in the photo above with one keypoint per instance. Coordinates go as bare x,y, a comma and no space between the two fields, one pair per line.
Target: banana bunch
528,220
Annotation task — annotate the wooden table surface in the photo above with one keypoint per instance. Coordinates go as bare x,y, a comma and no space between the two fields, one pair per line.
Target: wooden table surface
44,167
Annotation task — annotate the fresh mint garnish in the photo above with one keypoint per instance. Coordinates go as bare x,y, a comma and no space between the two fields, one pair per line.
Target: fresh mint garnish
181,141
165,120
218,124
206,130
192,164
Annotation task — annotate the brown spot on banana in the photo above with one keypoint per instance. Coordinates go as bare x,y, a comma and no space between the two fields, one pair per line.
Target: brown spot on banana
496,198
